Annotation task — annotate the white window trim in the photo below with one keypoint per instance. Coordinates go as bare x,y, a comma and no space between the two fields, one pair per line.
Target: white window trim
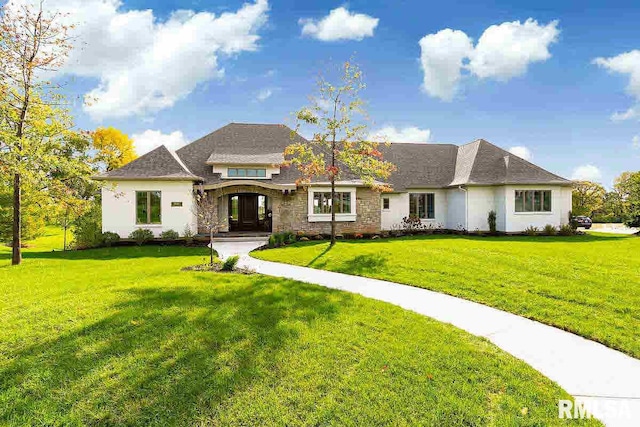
382,203
534,213
223,169
350,217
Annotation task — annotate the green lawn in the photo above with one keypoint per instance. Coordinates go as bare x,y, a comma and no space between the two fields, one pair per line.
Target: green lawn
589,284
121,336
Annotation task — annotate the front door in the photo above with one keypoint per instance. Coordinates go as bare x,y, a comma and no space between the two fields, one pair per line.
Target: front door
248,212
244,212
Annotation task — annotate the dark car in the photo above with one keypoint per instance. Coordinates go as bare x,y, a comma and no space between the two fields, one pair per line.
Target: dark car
583,221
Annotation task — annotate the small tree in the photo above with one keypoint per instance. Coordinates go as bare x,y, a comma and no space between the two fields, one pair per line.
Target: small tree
339,144
205,210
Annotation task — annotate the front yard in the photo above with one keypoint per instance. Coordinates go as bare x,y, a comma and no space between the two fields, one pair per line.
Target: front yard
121,336
589,285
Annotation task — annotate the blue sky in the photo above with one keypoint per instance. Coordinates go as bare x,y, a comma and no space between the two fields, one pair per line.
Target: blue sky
558,106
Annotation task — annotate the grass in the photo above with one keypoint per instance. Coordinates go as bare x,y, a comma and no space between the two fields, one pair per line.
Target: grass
121,336
589,285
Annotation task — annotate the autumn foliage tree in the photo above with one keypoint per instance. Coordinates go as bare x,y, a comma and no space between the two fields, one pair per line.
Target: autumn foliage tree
339,145
114,148
39,150
587,197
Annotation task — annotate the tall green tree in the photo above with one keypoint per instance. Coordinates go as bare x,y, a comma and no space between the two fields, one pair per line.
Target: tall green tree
628,186
39,150
588,197
339,144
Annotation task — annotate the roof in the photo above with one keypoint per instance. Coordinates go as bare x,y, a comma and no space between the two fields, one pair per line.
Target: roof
483,163
419,165
160,164
246,159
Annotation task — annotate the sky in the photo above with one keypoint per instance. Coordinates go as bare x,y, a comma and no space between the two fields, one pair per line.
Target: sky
556,82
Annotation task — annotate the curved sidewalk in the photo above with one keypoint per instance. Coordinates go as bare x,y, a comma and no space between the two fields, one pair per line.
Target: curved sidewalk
607,380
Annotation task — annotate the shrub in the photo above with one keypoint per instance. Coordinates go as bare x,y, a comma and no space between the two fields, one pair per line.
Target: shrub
230,263
633,222
491,219
572,221
170,235
279,239
412,224
289,237
272,241
109,238
141,236
549,230
566,230
188,234
531,230
87,229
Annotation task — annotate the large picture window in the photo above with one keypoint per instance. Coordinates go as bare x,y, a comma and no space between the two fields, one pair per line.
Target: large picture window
533,200
322,203
422,205
148,207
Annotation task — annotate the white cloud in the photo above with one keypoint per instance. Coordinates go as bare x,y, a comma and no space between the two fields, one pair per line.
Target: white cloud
503,51
625,63
441,61
522,152
340,24
407,134
150,139
264,94
587,173
144,64
631,113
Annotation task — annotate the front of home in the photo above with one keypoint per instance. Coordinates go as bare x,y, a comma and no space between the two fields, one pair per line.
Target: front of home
239,168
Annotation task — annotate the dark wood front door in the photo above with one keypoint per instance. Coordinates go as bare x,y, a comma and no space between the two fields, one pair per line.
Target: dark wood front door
248,212
244,212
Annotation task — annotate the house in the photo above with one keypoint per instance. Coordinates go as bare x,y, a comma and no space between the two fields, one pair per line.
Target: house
238,165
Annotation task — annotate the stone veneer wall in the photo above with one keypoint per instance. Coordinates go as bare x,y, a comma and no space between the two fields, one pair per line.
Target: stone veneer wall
294,211
290,211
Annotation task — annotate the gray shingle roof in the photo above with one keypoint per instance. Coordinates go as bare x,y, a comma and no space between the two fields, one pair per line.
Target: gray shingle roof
246,159
159,163
418,165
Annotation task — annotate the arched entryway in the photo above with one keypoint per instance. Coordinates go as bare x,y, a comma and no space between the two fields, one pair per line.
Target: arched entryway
249,212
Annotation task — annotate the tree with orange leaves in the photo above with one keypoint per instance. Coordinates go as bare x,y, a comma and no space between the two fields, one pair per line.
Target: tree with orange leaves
339,145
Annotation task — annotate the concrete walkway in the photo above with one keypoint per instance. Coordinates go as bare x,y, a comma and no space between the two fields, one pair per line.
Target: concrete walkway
607,381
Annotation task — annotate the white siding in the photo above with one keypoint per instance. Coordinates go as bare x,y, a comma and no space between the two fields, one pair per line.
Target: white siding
119,210
399,208
560,207
480,200
457,210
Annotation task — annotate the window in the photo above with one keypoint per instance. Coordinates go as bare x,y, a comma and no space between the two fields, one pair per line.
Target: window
385,203
422,205
262,207
322,203
148,207
533,201
234,208
246,173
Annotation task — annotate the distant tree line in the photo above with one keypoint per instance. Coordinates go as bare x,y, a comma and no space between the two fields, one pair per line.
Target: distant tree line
621,204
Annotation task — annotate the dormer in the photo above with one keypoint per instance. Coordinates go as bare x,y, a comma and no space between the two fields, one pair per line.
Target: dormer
246,166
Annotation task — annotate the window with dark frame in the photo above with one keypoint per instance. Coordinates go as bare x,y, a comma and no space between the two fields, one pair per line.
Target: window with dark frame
322,202
385,203
533,200
246,172
148,210
422,205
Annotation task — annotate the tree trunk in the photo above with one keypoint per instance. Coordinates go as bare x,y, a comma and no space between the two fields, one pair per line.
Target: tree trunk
333,211
16,255
211,245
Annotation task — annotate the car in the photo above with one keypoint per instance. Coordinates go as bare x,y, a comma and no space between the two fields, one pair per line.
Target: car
583,221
